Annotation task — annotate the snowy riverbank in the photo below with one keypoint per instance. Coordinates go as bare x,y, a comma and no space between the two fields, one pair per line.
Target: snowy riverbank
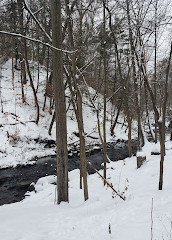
38,218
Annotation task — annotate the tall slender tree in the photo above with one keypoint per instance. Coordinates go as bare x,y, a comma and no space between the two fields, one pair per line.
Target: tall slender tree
163,121
60,105
105,88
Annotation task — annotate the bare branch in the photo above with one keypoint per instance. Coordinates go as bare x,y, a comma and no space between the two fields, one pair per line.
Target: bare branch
114,94
36,40
39,10
37,22
108,184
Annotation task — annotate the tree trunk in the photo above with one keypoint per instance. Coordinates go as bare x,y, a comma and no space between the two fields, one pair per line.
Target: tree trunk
134,76
123,83
104,94
51,123
155,66
22,61
60,105
82,148
163,123
77,108
31,83
116,119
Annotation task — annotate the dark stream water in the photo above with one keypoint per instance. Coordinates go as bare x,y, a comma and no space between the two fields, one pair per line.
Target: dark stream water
15,182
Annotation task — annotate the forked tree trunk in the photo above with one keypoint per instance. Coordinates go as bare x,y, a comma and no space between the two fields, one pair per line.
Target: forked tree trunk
77,108
60,105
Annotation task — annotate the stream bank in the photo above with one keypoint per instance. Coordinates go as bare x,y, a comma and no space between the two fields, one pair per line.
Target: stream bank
15,182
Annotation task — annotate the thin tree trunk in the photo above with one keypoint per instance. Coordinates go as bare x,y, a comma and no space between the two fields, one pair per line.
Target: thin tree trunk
163,123
78,108
12,72
38,73
22,61
123,84
105,90
155,66
147,112
31,83
116,119
134,76
82,148
51,124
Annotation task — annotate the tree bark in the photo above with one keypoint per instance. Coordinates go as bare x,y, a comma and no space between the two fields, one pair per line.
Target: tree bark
22,60
31,82
134,76
163,123
116,119
123,83
105,91
60,105
77,104
155,66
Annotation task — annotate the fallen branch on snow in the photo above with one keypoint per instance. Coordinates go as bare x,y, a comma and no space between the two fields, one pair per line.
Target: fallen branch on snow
108,184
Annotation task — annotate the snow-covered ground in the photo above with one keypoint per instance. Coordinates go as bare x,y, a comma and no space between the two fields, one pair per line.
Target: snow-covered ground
104,216
16,120
38,218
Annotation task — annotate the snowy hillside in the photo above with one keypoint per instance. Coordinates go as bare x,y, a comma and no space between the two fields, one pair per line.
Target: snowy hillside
104,216
21,137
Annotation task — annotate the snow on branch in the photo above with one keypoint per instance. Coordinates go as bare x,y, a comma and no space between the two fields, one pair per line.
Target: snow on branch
37,22
36,40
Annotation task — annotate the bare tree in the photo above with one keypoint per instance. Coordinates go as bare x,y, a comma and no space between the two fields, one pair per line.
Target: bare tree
163,122
134,75
77,104
22,60
105,89
60,105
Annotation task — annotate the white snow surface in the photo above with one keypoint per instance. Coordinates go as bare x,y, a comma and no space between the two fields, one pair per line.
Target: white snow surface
17,120
37,217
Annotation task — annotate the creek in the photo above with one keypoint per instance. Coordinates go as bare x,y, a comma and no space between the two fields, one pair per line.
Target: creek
15,182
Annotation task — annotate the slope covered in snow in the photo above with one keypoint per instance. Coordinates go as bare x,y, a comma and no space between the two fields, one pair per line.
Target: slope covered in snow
104,216
22,140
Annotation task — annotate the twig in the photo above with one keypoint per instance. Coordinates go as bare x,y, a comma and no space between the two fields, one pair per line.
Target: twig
110,185
37,22
114,94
